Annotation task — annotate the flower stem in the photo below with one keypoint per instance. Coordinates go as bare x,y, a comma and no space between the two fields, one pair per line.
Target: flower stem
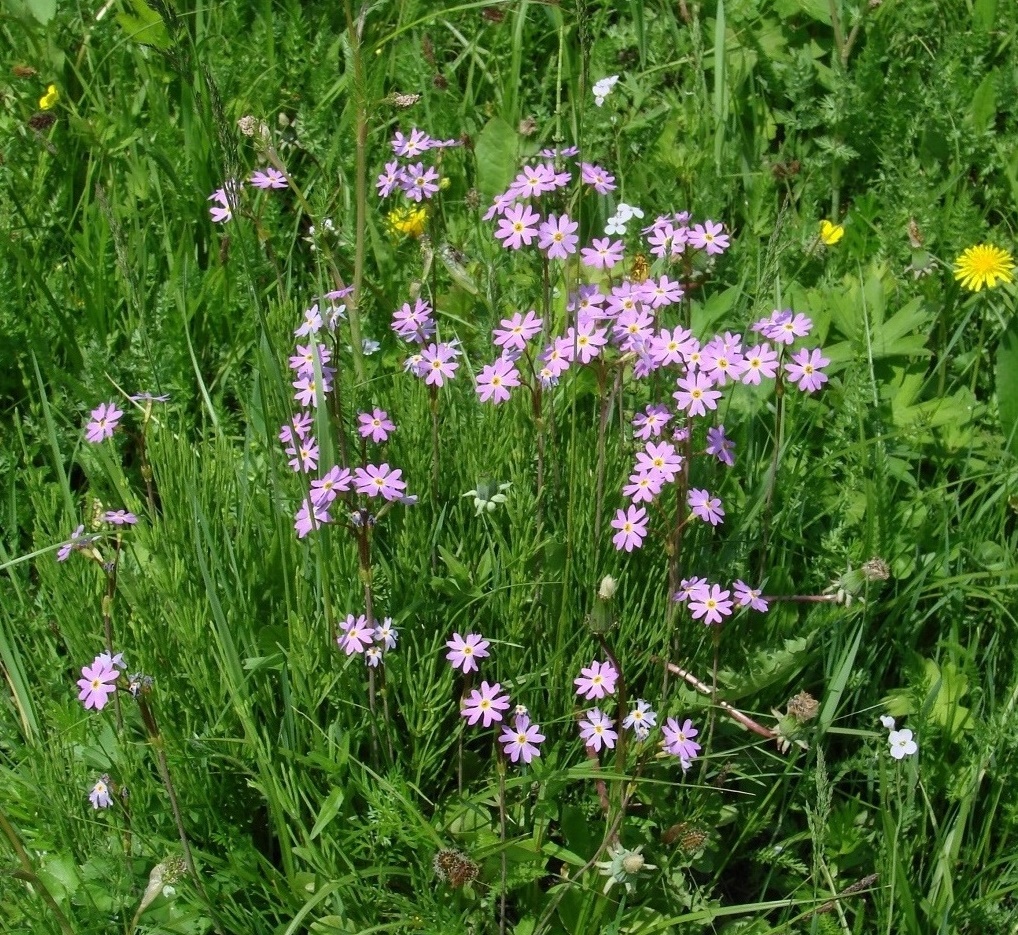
501,836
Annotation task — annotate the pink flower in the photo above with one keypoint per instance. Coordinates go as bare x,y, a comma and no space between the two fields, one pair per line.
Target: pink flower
485,705
596,730
495,380
310,516
389,179
705,506
713,605
805,369
438,364
759,361
120,518
410,146
650,422
602,254
356,635
335,481
419,182
97,684
413,324
709,237
105,418
598,177
586,343
695,394
304,455
558,237
644,485
79,543
307,390
661,457
268,178
691,588
375,425
745,596
379,480
518,227
785,327
522,739
464,651
720,445
303,362
679,740
516,331
533,181
632,527
670,347
596,680
100,795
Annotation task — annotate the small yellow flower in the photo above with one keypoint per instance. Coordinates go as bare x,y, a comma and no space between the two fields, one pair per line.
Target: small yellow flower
983,265
50,98
409,221
830,233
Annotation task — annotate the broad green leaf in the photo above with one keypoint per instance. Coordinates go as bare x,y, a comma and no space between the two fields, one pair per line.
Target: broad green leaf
984,103
496,151
144,25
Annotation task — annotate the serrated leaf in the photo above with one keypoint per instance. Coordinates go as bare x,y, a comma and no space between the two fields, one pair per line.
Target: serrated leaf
144,25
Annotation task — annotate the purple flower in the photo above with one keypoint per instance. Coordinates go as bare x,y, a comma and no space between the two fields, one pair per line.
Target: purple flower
712,604
745,596
603,253
598,177
695,394
413,324
438,364
670,347
419,182
518,227
805,369
662,457
495,380
485,704
386,634
105,418
464,651
311,324
596,730
691,588
379,480
268,178
558,237
97,684
375,425
759,361
307,390
522,739
410,146
119,518
303,362
596,680
785,326
147,398
310,516
679,741
100,795
304,455
720,445
373,656
644,485
709,237
651,421
335,481
705,506
516,331
356,635
389,179
632,527
79,543
225,199
533,181
299,425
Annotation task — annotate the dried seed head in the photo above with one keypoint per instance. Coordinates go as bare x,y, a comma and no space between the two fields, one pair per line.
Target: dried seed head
455,868
607,589
402,101
528,126
472,199
42,121
876,569
24,71
803,707
440,82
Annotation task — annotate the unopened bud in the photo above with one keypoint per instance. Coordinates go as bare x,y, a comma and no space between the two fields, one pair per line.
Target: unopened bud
607,589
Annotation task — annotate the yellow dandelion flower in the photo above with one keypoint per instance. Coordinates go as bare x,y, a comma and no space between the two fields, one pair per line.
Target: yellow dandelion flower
831,233
409,221
983,265
50,98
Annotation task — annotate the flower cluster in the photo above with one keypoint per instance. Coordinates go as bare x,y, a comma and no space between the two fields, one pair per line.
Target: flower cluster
372,640
226,199
406,173
712,603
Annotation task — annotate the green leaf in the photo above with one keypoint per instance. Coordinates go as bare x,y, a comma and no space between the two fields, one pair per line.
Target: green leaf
1007,385
144,25
496,151
330,809
984,103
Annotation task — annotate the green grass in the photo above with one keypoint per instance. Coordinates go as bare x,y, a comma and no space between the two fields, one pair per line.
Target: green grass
313,804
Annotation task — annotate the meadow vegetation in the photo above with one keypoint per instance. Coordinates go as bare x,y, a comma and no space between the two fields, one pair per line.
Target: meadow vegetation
520,467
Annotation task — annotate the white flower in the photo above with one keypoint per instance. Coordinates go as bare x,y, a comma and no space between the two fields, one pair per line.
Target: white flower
369,347
603,88
615,226
902,744
625,212
887,721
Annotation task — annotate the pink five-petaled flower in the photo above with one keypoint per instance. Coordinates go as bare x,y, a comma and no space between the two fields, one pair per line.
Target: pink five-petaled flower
494,381
602,254
705,506
805,369
464,651
679,740
695,394
745,596
660,456
516,331
558,237
517,227
522,739
356,635
596,730
713,605
104,420
375,425
486,705
379,480
97,684
644,485
596,680
119,518
304,455
650,422
333,482
419,182
760,360
690,588
268,178
79,543
632,527
438,363
709,237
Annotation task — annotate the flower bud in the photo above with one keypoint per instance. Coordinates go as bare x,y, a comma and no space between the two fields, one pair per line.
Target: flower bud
607,589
